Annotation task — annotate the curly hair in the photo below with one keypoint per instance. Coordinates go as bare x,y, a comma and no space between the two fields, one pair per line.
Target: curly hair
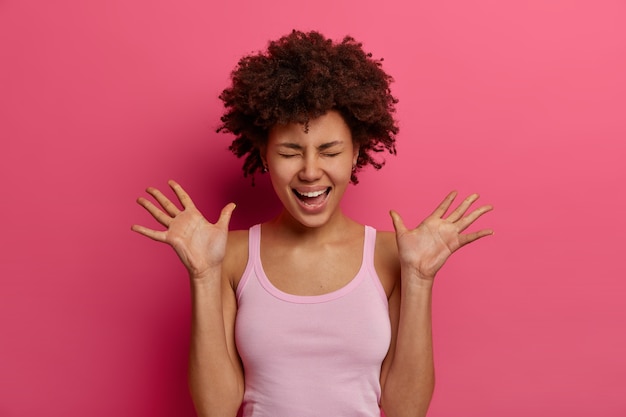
300,77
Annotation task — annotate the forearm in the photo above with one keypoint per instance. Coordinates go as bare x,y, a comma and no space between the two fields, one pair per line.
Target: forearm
410,381
215,376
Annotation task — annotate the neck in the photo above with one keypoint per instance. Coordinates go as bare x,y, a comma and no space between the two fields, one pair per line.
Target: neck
285,226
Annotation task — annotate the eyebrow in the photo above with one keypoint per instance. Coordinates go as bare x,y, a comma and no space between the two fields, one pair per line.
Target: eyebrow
322,147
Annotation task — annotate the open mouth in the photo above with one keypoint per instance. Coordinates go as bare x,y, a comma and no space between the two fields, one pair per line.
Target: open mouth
312,198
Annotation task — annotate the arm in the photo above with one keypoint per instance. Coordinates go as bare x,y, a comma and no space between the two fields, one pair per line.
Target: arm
215,372
407,375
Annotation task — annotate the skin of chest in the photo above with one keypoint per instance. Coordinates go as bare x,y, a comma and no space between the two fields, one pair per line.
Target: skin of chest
312,271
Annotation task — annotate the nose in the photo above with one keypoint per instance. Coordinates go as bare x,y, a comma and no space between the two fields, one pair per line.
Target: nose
311,169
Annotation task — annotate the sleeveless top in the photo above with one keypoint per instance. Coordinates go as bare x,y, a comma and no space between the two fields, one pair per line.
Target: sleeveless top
311,356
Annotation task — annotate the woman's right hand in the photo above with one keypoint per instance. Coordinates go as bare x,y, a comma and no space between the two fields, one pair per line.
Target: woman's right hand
199,244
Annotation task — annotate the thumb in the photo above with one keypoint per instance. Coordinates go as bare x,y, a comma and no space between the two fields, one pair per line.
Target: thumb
398,223
226,214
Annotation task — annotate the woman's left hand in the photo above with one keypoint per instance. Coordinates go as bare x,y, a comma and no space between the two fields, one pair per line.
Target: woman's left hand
426,248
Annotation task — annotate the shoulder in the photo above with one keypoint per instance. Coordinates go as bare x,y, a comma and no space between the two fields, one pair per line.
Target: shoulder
386,240
236,256
386,260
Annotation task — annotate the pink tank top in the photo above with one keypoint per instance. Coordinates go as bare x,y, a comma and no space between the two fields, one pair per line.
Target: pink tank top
312,356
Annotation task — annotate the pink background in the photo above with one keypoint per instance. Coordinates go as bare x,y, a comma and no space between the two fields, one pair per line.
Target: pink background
522,101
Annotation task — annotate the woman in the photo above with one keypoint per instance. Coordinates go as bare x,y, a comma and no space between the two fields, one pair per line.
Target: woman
310,313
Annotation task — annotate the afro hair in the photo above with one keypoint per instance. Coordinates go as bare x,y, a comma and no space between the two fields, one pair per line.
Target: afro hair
300,77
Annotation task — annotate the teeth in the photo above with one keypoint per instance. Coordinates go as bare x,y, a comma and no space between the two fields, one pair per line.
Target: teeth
312,194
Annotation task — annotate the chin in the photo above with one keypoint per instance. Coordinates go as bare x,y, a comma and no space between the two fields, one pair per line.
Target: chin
306,220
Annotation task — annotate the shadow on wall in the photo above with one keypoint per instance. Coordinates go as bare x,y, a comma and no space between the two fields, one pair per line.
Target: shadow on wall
255,203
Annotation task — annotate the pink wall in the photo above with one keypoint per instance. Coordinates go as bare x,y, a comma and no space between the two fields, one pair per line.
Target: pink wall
522,101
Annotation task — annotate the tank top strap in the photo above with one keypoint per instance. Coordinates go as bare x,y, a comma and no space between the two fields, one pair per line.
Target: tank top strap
369,250
254,256
254,242
369,245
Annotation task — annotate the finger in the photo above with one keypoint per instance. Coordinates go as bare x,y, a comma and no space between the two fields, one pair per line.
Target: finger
445,205
466,221
167,205
471,237
182,195
462,208
159,236
226,214
398,223
157,213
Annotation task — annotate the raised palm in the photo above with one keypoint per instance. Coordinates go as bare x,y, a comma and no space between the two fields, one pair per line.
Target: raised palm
426,248
200,244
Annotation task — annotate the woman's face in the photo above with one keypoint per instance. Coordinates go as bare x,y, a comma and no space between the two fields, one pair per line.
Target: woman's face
311,170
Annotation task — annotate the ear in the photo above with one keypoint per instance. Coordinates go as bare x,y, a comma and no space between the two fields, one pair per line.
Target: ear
355,157
263,154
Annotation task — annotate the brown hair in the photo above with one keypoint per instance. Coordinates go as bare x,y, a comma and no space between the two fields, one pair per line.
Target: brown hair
300,77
